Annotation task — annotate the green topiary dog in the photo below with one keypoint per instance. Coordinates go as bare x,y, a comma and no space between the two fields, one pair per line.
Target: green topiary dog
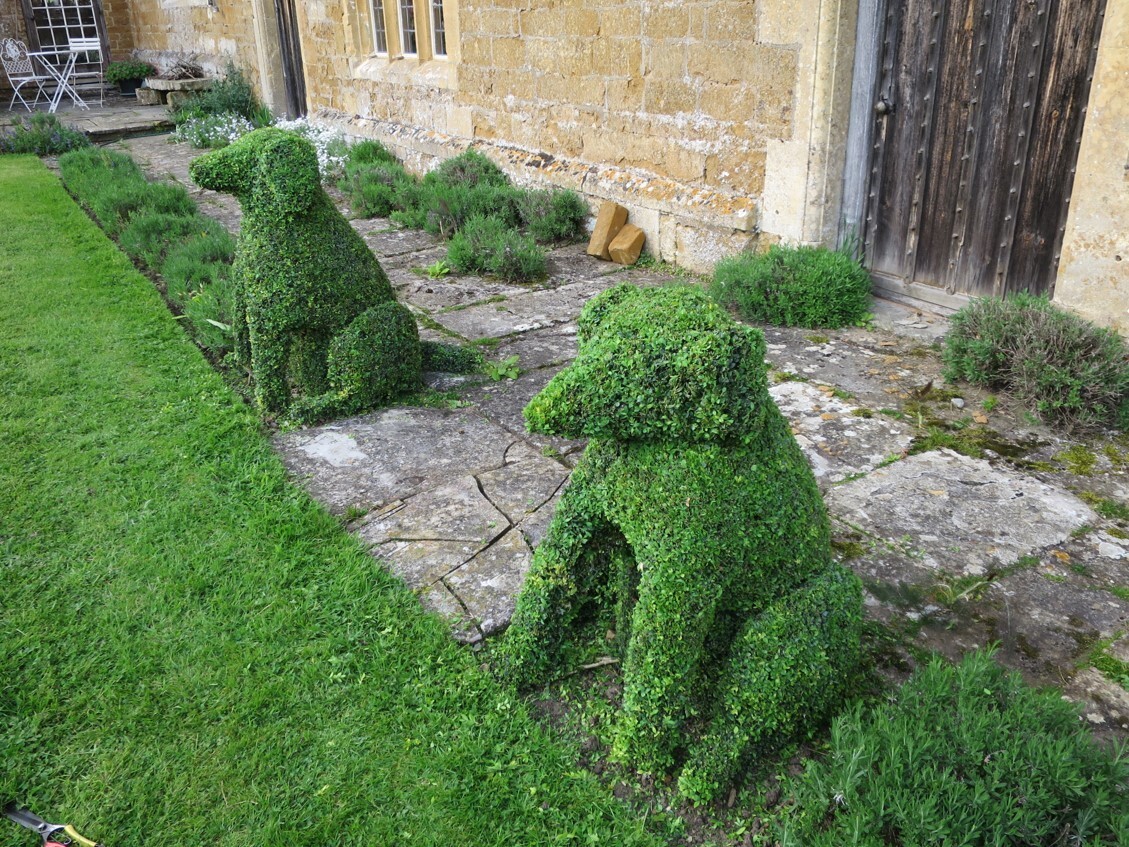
303,277
694,505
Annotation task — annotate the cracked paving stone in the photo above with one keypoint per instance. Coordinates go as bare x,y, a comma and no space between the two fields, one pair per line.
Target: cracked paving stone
540,348
1105,704
837,442
524,312
503,402
524,484
457,511
395,242
390,455
534,527
447,292
420,563
957,514
439,599
573,264
489,583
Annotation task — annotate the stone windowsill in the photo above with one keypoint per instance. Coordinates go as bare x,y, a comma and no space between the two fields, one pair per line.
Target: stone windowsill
408,71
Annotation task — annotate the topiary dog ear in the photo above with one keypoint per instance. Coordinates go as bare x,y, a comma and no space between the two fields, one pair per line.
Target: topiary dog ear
288,172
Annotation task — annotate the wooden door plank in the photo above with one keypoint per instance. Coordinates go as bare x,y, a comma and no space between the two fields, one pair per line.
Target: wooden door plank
1060,112
957,111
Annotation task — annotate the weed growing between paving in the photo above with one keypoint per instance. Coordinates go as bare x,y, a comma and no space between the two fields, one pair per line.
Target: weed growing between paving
196,651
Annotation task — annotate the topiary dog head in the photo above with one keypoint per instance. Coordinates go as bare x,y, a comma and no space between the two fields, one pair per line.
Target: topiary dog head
269,169
656,364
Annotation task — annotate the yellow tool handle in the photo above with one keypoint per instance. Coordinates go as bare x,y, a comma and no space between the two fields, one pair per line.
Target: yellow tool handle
76,838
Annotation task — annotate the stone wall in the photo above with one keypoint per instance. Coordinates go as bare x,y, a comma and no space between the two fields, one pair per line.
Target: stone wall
1093,274
119,29
714,121
163,31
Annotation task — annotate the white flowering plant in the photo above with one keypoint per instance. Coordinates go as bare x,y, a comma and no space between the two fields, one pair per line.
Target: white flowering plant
213,131
330,144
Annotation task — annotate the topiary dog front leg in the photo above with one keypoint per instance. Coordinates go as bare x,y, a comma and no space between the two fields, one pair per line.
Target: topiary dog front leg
565,570
270,354
678,593
786,670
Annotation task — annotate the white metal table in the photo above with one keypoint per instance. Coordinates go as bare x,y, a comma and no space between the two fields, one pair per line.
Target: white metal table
63,75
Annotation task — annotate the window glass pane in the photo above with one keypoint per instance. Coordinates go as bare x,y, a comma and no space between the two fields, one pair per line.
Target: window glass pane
408,27
438,31
379,30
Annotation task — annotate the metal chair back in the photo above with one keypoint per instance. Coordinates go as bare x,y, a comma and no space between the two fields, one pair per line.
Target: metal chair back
21,71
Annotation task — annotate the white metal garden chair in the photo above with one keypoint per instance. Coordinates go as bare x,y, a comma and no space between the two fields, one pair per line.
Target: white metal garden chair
21,70
91,51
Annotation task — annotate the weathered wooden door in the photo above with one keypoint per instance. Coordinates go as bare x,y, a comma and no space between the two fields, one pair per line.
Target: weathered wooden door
292,73
978,115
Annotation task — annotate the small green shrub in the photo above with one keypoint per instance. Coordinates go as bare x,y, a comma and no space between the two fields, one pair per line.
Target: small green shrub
210,311
41,134
450,207
197,263
794,286
964,754
373,188
469,169
488,245
116,203
118,71
90,170
371,152
1064,368
553,215
450,358
232,93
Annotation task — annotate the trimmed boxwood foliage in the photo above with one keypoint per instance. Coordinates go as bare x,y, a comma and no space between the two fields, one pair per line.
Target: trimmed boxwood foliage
964,754
450,358
302,276
794,286
1062,366
694,507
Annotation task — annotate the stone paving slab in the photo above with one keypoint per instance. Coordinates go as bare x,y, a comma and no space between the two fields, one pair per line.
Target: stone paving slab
373,459
488,585
449,293
959,515
503,402
525,312
541,349
838,442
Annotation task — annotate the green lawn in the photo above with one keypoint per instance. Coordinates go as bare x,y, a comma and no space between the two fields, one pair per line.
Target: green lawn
193,652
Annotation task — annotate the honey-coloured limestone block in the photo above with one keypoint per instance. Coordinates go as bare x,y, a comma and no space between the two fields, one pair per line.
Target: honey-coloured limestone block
609,222
627,245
